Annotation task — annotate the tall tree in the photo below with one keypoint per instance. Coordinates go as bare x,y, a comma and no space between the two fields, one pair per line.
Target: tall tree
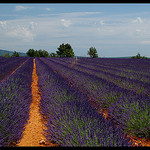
31,53
93,52
65,50
45,53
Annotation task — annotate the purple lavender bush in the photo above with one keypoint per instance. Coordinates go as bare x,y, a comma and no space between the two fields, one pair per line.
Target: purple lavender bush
10,65
109,93
103,92
133,115
117,76
71,120
15,99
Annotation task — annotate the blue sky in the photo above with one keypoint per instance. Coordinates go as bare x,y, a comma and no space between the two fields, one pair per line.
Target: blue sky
114,29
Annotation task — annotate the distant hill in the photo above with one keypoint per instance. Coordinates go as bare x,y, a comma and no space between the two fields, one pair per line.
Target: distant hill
3,52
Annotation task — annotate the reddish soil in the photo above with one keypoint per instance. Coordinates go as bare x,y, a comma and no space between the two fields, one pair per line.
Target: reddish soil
33,133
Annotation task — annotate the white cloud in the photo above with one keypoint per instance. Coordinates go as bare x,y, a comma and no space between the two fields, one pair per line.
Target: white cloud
138,20
78,14
105,30
20,8
21,33
145,42
3,24
89,13
138,30
70,14
66,23
48,9
32,25
19,30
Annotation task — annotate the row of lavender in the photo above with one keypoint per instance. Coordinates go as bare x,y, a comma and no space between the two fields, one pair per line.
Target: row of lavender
127,68
136,65
71,120
15,99
132,64
128,79
128,108
7,65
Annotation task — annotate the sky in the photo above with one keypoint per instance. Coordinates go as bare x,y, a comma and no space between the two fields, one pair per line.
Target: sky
114,29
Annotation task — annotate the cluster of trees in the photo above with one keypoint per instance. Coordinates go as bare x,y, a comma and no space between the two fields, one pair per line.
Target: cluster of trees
37,53
64,50
138,56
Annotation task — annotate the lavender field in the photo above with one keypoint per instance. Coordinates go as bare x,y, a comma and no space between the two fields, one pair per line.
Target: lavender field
68,88
119,85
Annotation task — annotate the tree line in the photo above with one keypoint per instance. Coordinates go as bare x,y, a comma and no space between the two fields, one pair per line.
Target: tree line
64,50
138,56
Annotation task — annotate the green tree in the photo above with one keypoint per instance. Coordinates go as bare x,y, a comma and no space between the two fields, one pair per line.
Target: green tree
15,54
53,55
40,52
92,52
37,53
31,53
138,56
45,53
65,50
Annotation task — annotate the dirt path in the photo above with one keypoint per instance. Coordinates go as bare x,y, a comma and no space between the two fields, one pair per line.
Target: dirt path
33,133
